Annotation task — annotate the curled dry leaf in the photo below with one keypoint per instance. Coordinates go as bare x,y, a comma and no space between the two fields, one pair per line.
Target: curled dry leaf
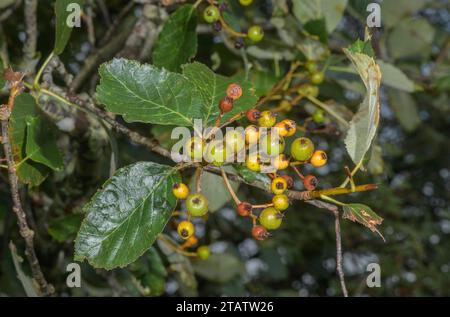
364,215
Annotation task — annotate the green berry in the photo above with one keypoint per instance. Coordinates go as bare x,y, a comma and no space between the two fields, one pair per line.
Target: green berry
245,2
317,78
203,252
270,218
272,145
211,14
311,66
197,204
216,152
302,149
235,140
267,119
318,116
308,90
255,33
280,202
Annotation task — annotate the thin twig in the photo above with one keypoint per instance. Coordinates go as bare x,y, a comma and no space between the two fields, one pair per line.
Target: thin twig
228,185
339,268
24,229
30,44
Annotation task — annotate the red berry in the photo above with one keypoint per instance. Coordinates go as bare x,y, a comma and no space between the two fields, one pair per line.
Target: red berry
259,233
289,181
234,91
253,115
226,104
310,182
244,209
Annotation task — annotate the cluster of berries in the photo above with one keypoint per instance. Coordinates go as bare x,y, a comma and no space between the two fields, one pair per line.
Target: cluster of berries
213,15
302,151
197,206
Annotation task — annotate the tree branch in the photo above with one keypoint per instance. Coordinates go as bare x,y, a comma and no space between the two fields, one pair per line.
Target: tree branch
30,45
339,268
5,112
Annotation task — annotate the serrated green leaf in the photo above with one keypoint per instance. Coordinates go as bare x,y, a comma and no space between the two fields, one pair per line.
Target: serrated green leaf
29,172
331,10
364,215
395,78
125,217
177,42
364,123
65,228
63,29
212,88
41,144
363,47
143,93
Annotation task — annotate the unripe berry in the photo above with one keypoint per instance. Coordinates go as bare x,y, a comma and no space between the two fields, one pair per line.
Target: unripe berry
272,145
251,134
226,104
244,209
197,205
234,91
302,149
280,202
235,141
270,218
280,162
311,66
216,152
259,233
286,127
194,146
279,185
267,119
180,190
185,229
245,2
253,115
255,33
211,14
318,116
317,78
310,182
253,163
308,90
319,158
203,252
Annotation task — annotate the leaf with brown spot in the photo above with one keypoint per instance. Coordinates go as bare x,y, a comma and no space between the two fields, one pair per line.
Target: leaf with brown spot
364,215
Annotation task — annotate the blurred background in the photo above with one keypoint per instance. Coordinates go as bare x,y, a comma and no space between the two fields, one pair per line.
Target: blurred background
411,166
